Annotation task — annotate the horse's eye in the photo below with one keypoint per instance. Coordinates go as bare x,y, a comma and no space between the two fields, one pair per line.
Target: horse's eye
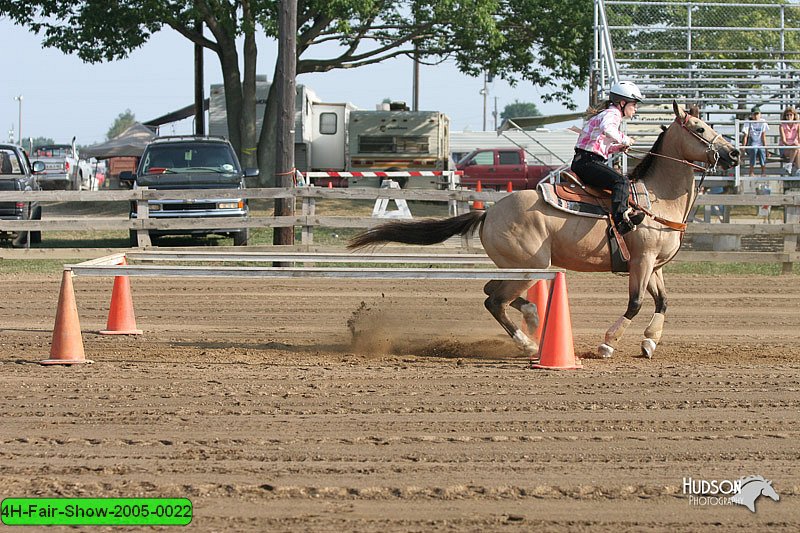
700,130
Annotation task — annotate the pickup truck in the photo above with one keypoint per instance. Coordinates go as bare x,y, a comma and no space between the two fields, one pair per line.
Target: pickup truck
64,169
192,162
18,174
496,167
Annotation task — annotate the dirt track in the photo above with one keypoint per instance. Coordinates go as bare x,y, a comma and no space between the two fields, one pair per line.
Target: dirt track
248,398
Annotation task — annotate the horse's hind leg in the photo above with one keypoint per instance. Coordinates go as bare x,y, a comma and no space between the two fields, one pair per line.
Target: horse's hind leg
501,294
652,334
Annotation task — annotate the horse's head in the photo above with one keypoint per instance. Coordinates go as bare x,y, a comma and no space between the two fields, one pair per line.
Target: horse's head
768,491
702,143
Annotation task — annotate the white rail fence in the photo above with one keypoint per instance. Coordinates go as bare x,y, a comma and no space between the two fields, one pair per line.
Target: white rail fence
724,235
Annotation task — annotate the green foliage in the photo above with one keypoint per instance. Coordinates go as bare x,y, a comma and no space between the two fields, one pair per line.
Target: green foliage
520,109
121,123
545,42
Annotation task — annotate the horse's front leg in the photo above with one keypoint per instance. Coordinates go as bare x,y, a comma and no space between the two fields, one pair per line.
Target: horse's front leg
638,280
652,334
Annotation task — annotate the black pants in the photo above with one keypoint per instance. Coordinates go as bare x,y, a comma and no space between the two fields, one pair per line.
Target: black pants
592,169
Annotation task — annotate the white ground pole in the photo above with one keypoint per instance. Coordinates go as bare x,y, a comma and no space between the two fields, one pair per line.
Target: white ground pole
111,266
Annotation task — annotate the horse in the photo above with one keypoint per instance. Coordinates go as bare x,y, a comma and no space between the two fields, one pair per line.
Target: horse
751,488
524,231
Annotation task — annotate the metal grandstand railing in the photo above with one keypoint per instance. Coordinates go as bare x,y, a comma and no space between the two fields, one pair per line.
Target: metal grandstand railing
726,57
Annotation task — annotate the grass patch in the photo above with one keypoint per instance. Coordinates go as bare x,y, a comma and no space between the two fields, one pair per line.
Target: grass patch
34,266
707,268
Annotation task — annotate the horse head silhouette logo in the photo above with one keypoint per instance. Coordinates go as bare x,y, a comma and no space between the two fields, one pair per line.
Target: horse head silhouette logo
752,488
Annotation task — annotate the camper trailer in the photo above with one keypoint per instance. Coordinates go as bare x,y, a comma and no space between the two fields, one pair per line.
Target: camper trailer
338,138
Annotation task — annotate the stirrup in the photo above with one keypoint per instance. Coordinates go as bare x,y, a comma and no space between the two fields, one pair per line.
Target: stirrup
624,226
633,216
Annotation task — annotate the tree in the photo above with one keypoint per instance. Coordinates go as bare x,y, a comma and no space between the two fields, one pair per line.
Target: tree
520,109
480,35
121,123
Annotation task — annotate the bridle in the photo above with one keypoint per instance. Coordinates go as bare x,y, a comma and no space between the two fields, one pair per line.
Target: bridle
710,149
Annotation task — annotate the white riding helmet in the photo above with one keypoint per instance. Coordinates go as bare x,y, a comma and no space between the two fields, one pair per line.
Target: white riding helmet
625,90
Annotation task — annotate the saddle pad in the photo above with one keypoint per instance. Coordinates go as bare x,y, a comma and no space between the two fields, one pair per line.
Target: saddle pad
584,200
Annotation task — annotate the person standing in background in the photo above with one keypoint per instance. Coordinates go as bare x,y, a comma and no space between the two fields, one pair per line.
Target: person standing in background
755,138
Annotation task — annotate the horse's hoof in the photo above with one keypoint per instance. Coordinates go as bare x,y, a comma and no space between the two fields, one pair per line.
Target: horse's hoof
605,351
531,350
648,348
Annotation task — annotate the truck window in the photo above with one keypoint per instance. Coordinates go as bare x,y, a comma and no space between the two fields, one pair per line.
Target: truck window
509,158
412,144
328,123
376,143
9,163
484,158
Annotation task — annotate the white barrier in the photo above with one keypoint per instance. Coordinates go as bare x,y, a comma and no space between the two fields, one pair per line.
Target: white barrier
112,265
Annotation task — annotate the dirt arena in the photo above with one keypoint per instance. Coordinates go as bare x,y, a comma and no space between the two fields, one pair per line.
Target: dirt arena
250,398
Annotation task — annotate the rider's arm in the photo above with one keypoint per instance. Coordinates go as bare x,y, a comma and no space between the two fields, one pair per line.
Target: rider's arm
610,128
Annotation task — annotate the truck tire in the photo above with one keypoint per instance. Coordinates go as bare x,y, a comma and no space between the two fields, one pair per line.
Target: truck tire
36,236
240,238
134,238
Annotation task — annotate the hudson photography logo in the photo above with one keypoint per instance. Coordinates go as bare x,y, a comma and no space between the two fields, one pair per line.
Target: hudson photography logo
744,491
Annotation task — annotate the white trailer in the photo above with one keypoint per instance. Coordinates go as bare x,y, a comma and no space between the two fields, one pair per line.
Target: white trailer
338,138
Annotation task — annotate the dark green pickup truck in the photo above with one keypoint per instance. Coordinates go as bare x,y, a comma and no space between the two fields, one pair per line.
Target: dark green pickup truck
192,162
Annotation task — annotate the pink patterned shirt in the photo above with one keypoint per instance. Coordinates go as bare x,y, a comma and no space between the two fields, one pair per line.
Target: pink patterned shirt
601,133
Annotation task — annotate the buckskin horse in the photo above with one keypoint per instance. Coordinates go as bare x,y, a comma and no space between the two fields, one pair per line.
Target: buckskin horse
524,231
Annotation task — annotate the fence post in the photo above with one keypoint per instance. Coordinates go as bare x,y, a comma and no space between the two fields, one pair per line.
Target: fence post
142,214
309,209
792,216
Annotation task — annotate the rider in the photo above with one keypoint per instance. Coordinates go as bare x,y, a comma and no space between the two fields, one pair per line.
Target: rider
601,136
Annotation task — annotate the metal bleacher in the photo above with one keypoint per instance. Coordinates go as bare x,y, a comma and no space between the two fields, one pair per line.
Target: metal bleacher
726,57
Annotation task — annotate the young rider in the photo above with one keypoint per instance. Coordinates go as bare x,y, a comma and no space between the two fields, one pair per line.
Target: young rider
601,137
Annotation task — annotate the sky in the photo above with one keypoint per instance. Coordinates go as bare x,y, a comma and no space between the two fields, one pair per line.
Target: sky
63,97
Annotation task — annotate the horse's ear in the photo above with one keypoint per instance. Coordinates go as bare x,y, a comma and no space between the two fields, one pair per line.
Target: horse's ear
678,110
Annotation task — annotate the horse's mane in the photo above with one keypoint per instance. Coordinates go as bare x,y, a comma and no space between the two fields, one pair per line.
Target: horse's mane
643,167
748,479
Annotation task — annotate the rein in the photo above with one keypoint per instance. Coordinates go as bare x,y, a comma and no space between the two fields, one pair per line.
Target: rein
681,226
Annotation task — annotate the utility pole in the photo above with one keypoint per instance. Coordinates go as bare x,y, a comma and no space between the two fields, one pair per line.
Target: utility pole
19,122
415,89
485,93
199,96
494,113
285,73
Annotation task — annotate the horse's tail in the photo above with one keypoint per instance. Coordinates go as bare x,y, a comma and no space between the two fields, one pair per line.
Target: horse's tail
424,232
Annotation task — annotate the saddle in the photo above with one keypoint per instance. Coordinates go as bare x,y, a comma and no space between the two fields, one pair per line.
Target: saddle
573,196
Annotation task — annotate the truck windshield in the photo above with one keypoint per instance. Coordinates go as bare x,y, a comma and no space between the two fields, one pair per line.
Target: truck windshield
195,158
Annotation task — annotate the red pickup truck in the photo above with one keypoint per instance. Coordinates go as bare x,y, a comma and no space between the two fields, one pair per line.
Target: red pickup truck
496,167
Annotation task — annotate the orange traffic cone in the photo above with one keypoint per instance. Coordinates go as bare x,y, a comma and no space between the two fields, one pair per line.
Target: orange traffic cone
121,320
478,204
557,350
537,295
67,345
510,187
